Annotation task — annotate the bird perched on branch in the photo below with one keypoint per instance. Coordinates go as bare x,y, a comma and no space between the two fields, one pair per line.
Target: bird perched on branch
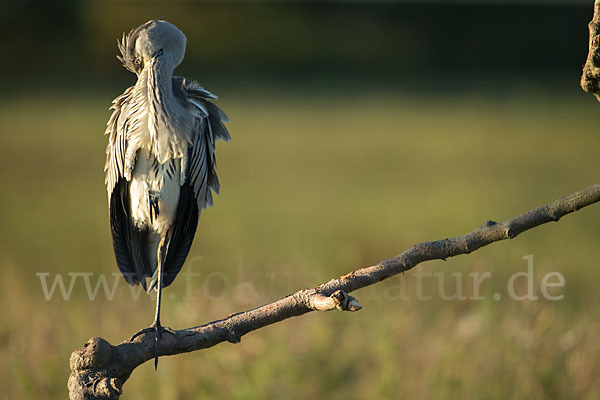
160,160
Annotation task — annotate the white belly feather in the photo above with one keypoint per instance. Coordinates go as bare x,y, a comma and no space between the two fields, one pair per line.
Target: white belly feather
154,192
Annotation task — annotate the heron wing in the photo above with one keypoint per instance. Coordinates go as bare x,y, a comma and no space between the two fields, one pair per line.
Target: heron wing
199,177
116,130
128,242
201,163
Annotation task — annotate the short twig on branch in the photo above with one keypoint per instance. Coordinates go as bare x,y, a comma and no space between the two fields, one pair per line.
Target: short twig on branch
99,370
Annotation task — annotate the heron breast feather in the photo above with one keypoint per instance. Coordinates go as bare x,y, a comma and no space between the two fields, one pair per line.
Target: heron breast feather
154,192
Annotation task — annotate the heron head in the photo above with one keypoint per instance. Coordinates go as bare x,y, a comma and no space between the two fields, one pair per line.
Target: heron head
154,39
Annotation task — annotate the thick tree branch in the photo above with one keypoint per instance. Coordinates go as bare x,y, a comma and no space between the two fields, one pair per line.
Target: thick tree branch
99,370
590,79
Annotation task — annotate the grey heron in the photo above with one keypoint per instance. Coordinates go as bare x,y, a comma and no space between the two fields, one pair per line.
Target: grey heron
160,160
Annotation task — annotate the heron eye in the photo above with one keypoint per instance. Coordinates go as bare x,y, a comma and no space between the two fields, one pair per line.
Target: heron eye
137,61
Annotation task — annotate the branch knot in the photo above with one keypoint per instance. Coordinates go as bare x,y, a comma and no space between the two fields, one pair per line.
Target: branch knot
337,300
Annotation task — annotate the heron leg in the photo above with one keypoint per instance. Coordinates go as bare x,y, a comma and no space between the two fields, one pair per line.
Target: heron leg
161,257
156,326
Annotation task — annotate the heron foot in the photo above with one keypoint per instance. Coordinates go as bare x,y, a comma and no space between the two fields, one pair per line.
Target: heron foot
159,329
154,328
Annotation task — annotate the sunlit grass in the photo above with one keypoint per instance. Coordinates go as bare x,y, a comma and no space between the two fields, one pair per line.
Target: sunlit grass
311,188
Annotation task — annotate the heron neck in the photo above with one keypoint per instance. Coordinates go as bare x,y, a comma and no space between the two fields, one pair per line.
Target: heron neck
159,84
166,121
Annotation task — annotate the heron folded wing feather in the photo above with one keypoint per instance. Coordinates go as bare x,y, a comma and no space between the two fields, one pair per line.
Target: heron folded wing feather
202,161
117,142
128,241
217,115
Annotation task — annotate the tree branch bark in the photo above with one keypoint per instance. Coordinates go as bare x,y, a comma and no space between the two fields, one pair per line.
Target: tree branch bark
99,369
590,79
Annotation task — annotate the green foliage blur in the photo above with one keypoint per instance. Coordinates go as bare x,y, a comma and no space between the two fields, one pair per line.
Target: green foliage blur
358,130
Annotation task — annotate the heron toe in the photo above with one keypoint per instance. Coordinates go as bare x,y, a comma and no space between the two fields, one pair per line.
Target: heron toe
159,329
143,331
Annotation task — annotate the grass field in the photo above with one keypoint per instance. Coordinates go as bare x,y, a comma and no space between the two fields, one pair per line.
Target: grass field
313,187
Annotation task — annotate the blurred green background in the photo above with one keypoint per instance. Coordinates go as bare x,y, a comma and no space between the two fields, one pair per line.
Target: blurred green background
358,130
